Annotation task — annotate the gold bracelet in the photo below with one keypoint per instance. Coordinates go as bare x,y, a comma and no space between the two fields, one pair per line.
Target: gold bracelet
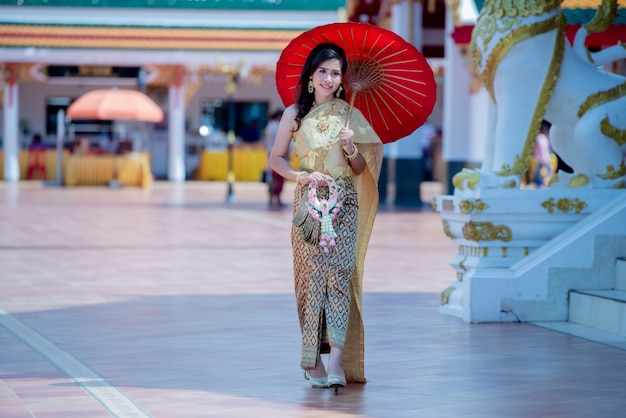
354,153
299,175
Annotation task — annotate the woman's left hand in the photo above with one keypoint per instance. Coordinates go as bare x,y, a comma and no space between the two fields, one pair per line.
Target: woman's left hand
345,139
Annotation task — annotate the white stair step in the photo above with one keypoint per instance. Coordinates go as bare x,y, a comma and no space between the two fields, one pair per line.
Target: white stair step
587,333
604,310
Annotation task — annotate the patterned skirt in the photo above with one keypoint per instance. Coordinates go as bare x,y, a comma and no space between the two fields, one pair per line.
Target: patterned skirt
322,281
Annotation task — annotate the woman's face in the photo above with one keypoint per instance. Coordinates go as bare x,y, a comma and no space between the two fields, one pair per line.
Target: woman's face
326,79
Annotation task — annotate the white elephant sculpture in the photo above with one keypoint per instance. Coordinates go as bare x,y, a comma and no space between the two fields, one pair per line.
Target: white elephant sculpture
532,73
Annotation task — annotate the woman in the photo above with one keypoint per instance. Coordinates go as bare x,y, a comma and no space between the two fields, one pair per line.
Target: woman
331,225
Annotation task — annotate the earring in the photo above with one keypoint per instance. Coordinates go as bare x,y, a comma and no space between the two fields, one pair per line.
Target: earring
310,88
339,90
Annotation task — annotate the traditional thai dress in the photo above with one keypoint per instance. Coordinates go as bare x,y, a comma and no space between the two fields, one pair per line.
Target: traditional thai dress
329,284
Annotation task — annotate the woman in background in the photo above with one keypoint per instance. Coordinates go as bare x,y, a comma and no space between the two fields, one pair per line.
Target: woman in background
274,179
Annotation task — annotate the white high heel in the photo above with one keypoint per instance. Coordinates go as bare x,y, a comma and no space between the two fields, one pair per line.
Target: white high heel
316,382
335,381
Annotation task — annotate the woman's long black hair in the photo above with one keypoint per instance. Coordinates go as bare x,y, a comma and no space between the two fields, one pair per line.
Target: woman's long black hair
319,54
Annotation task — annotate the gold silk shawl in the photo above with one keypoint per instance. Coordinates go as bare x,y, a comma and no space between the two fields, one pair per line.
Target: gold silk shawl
316,144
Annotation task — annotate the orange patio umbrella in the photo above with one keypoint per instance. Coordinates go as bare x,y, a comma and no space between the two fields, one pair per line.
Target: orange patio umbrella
115,104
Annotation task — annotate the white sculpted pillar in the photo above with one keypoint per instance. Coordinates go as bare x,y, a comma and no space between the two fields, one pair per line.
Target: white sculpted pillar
176,129
10,145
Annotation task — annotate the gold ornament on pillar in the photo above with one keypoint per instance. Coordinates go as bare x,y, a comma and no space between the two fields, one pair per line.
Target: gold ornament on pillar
10,78
234,74
231,83
432,6
454,7
178,82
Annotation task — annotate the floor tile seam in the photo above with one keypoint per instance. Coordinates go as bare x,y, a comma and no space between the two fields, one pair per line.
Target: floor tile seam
14,396
108,396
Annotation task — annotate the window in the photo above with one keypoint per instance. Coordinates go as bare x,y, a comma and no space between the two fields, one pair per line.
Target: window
247,119
83,127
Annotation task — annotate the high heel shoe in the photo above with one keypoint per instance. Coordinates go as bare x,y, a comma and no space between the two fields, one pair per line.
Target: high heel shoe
335,381
316,382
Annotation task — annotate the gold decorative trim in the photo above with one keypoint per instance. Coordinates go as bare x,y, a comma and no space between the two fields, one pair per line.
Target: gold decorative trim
486,231
473,178
508,8
564,205
504,252
467,206
521,164
612,173
473,251
525,251
617,135
601,98
604,17
509,41
579,180
454,6
620,185
461,265
447,231
445,295
487,27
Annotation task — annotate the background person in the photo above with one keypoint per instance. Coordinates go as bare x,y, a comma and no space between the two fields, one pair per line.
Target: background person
275,180
427,135
36,164
543,156
37,144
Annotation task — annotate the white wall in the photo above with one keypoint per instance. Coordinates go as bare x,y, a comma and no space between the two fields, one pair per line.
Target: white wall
33,98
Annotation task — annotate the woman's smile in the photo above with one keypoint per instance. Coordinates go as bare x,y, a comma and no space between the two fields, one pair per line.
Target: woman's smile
327,77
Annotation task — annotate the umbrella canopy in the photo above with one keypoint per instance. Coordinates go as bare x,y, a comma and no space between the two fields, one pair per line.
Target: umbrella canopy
115,104
388,79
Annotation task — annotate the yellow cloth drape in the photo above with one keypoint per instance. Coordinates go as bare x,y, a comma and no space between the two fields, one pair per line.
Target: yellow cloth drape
317,148
98,170
248,164
25,159
88,170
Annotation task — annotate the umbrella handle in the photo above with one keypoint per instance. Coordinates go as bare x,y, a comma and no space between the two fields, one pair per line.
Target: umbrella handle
354,91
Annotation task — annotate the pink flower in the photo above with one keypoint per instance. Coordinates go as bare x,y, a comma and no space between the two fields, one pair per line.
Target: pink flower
325,211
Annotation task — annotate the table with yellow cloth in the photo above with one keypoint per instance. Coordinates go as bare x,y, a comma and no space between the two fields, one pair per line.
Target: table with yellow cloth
248,164
27,158
99,170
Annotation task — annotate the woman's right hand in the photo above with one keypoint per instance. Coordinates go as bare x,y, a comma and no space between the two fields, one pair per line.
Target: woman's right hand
315,178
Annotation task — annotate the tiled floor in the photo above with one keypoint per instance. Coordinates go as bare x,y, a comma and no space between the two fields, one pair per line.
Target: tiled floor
173,303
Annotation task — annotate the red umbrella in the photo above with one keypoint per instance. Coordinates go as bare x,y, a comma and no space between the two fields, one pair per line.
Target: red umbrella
388,79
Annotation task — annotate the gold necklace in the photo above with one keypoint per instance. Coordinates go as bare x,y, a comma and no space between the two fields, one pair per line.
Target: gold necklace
322,120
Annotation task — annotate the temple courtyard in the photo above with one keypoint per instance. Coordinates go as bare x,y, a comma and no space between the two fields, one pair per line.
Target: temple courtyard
172,302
